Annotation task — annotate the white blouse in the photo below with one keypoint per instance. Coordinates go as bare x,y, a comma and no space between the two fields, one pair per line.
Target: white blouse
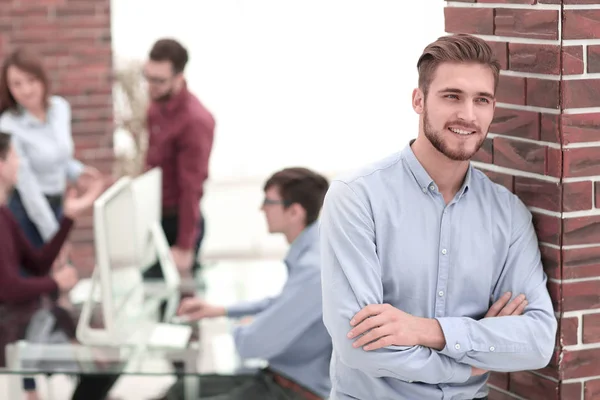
45,152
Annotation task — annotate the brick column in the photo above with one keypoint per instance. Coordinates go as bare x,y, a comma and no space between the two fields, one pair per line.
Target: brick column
544,145
74,37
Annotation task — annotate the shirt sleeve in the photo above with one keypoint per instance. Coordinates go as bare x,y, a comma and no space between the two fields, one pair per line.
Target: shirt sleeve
286,319
39,261
351,276
74,167
194,148
34,201
249,307
15,288
511,343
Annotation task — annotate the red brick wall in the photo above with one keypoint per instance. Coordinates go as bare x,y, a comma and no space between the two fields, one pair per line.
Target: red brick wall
74,37
544,145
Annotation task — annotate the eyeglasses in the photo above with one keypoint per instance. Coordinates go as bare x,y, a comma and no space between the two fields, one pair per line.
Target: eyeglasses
154,80
269,202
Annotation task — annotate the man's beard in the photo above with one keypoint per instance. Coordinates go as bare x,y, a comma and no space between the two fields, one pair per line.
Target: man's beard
437,140
165,96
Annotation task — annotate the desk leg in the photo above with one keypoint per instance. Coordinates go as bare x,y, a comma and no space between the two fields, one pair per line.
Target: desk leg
191,377
192,387
15,381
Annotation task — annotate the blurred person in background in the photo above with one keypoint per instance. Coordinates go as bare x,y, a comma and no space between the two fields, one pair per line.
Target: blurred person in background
286,330
41,127
19,295
181,132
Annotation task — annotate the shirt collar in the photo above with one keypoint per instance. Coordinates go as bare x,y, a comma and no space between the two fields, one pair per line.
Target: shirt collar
422,177
306,238
29,120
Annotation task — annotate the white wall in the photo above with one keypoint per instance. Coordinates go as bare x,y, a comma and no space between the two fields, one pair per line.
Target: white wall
320,83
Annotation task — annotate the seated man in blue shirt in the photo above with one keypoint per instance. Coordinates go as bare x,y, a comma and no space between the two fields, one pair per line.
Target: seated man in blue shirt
286,330
416,246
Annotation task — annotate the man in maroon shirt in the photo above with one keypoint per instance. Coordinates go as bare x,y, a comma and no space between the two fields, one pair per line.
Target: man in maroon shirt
181,134
20,295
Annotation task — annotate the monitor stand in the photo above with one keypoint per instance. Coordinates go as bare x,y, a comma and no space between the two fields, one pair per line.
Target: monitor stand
148,296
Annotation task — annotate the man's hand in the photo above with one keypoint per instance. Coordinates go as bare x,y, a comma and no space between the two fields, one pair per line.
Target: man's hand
384,325
76,203
478,371
502,307
183,259
194,309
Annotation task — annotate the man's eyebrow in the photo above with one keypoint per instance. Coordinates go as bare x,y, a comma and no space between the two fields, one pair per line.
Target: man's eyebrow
459,91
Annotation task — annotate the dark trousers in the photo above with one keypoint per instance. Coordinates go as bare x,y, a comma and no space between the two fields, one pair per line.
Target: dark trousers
90,387
170,225
236,387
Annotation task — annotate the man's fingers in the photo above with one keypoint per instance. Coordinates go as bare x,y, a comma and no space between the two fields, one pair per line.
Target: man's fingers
381,343
368,311
188,305
512,306
373,335
498,305
367,325
521,308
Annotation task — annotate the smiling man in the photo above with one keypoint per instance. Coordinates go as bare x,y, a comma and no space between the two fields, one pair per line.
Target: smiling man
417,247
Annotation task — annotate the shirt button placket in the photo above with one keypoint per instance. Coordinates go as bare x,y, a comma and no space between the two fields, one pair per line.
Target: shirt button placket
444,264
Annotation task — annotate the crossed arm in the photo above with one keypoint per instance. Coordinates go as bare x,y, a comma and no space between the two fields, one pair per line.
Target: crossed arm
442,350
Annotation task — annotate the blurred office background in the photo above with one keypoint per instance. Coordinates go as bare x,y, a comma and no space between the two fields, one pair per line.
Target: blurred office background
322,84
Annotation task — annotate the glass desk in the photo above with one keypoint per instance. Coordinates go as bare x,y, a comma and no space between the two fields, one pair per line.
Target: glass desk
211,351
25,359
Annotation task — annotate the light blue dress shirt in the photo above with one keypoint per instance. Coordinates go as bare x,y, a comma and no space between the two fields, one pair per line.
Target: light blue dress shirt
288,330
387,236
46,160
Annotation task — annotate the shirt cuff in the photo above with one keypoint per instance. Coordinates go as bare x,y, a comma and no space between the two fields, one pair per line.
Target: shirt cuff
237,311
74,170
457,338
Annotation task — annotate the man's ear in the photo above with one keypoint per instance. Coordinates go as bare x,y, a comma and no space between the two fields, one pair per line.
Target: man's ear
297,211
418,101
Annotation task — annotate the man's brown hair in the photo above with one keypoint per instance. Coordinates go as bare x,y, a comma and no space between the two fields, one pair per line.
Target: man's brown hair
302,186
460,48
4,145
27,62
170,50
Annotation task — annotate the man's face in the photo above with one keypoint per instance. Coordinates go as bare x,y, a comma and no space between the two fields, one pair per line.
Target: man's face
276,214
458,110
9,168
161,79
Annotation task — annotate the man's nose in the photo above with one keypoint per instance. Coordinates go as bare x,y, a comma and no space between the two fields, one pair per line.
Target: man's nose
467,112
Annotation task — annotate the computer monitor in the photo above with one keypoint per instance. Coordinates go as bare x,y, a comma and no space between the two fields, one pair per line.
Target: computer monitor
128,233
147,189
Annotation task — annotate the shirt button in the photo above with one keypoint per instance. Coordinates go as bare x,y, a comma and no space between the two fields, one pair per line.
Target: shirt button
444,251
457,346
424,190
432,187
441,293
492,348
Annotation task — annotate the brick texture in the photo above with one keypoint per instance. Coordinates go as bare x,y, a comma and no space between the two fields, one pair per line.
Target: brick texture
74,38
544,148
